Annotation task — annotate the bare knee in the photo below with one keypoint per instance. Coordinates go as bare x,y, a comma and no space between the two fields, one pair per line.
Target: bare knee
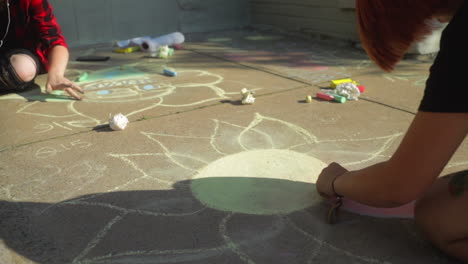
428,222
24,66
442,220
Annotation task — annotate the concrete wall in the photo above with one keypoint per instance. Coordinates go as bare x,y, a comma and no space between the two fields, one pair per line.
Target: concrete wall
323,18
98,21
332,18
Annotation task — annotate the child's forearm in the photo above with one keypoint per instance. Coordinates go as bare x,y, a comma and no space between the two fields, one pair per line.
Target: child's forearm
372,186
58,59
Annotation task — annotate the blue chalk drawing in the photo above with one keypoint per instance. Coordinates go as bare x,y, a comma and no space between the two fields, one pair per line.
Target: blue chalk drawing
104,92
149,87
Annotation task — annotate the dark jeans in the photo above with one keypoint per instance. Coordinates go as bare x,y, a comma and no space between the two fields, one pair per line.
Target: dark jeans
9,79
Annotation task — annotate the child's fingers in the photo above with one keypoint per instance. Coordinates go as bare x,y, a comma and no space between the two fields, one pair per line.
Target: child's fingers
77,88
71,92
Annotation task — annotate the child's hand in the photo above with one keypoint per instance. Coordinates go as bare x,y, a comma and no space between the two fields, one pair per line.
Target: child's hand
328,175
57,82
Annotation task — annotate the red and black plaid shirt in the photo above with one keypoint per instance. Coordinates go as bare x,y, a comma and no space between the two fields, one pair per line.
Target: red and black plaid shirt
33,27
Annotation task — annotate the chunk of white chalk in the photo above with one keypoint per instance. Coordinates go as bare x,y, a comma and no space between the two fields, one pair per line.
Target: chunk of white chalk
118,122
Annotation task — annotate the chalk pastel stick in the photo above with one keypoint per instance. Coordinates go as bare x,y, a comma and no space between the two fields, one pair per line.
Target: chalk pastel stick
127,50
405,211
361,88
338,98
171,52
169,72
325,96
335,83
177,46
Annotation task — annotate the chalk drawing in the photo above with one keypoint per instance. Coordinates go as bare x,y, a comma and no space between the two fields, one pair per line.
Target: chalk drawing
239,166
415,78
66,181
310,63
98,237
47,152
308,66
129,91
242,160
231,245
322,243
262,156
297,60
245,175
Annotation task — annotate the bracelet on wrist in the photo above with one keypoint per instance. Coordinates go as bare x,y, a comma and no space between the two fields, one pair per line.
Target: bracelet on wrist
333,187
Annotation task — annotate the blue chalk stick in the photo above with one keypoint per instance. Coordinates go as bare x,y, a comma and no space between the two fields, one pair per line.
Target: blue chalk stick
170,72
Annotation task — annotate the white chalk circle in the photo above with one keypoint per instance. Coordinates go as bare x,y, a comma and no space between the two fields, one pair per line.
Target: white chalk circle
260,182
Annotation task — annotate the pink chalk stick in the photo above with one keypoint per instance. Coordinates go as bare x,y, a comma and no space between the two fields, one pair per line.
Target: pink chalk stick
177,46
405,211
325,96
361,88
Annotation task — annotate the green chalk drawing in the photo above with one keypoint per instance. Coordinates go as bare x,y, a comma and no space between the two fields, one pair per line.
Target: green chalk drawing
115,73
260,182
38,95
51,98
83,77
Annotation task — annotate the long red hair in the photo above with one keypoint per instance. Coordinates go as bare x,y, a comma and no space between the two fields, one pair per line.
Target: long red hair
388,28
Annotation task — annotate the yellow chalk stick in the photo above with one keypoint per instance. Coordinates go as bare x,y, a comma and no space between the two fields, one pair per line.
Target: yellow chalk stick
127,50
335,83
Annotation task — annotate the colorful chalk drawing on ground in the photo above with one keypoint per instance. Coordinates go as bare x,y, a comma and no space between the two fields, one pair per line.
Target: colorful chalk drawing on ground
115,73
131,90
297,60
316,63
311,66
250,179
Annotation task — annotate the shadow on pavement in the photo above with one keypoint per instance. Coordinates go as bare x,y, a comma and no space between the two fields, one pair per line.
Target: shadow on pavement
212,220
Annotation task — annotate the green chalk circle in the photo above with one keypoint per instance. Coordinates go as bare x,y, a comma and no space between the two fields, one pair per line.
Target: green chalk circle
259,182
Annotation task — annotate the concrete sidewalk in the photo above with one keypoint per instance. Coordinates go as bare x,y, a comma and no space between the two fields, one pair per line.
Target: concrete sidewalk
198,177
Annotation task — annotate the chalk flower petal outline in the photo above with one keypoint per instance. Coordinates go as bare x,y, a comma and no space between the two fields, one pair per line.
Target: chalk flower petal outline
257,135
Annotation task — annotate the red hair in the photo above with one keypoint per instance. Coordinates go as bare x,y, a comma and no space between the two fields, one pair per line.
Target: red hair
388,28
